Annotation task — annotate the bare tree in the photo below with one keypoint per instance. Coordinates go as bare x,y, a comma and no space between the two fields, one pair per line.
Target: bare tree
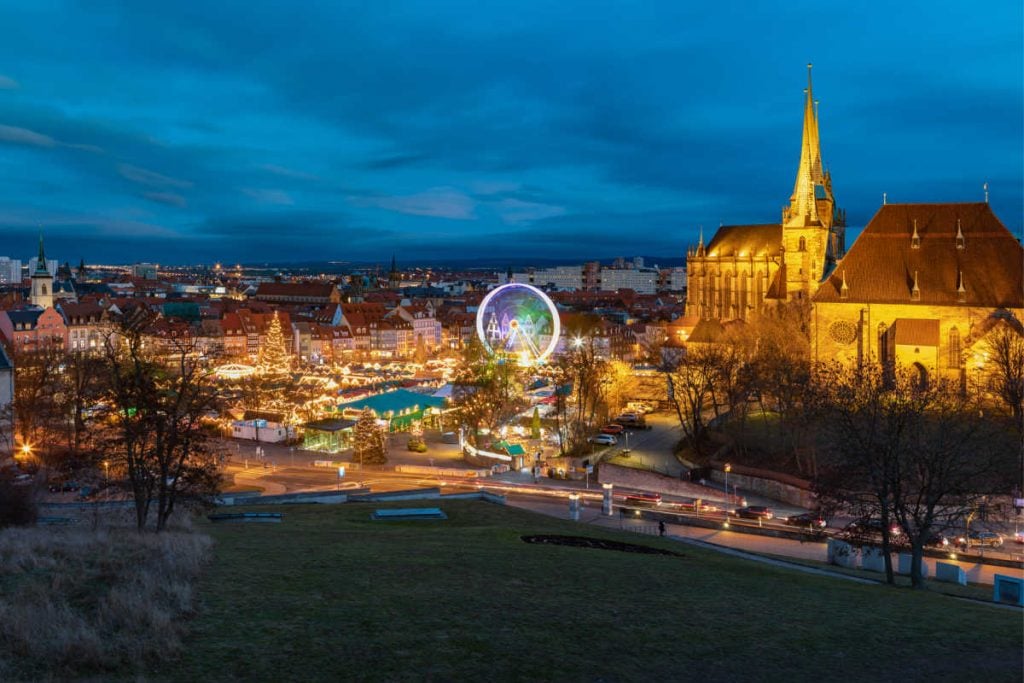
692,379
916,456
159,395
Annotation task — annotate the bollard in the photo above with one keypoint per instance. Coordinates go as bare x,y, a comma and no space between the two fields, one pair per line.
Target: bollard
574,507
606,504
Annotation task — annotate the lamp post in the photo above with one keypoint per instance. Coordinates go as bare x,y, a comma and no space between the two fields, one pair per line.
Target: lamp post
728,469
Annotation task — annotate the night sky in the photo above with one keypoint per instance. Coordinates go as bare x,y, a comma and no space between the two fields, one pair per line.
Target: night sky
194,131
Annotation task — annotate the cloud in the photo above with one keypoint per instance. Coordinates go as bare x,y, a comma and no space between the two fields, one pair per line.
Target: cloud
518,211
168,198
286,172
146,177
265,196
24,136
8,83
438,202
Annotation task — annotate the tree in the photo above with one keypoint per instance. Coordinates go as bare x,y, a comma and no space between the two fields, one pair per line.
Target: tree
369,440
274,359
159,394
37,394
917,456
692,378
535,424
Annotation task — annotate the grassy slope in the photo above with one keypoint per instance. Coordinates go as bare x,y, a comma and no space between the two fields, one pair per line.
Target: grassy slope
329,594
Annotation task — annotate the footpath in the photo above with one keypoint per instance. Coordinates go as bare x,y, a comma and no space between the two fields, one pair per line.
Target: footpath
749,546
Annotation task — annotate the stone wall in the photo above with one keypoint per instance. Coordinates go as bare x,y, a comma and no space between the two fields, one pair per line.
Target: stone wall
628,477
769,488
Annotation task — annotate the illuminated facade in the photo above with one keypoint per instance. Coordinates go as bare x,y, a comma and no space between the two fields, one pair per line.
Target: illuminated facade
922,287
747,267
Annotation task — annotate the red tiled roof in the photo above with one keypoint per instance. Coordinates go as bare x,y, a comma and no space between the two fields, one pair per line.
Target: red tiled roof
916,331
881,264
298,289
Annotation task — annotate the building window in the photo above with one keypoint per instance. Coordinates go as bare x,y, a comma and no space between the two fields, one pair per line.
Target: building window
803,244
954,348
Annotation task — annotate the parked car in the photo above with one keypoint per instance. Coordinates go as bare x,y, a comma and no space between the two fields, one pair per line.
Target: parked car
807,519
643,499
1018,537
449,437
630,420
975,539
754,512
614,430
603,439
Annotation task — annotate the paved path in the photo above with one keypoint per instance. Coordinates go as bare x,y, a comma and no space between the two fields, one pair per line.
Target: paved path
749,546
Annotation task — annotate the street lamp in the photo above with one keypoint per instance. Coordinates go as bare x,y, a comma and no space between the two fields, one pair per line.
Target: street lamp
728,469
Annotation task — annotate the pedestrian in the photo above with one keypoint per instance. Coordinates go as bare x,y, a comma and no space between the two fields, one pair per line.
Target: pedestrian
661,528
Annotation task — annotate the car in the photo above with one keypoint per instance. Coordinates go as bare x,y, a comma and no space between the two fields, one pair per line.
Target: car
871,525
629,420
603,439
643,499
614,430
1018,537
808,519
981,539
754,512
936,540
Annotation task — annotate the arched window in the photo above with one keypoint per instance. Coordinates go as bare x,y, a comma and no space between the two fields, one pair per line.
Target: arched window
954,348
803,244
43,290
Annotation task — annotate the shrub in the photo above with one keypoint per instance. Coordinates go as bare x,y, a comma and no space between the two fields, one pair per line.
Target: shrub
94,601
18,502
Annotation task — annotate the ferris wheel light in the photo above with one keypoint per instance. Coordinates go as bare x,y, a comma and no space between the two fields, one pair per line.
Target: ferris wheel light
517,332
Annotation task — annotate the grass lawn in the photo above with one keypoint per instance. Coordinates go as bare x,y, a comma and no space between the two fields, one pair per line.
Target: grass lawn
330,595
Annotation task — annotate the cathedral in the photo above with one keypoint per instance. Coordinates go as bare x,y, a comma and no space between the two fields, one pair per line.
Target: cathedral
747,267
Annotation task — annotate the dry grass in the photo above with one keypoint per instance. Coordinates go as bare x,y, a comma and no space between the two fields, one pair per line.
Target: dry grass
77,602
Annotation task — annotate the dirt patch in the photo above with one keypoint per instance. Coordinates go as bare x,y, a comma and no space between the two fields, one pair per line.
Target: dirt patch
599,543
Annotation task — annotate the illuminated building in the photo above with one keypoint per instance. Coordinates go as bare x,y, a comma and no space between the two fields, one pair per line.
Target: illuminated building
745,268
921,287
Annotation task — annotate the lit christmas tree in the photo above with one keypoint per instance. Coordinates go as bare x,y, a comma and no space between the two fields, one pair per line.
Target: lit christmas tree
274,358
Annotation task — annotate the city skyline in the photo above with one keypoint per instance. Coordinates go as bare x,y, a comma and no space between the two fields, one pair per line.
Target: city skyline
194,133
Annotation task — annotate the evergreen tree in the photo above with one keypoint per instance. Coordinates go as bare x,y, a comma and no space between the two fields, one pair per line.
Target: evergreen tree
369,446
274,358
535,426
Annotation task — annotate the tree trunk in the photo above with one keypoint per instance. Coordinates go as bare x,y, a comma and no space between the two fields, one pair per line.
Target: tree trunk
916,558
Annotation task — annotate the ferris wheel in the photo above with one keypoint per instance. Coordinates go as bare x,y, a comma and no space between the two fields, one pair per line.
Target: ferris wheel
518,321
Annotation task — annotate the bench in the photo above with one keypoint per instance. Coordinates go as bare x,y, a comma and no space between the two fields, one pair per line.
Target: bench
246,517
395,514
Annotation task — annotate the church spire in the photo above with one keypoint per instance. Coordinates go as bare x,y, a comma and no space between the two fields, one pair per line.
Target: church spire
41,260
803,208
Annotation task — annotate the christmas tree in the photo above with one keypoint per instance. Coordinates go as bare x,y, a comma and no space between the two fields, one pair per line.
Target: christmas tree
274,358
369,443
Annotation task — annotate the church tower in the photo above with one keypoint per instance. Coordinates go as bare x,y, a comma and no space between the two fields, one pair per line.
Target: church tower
812,226
42,281
394,277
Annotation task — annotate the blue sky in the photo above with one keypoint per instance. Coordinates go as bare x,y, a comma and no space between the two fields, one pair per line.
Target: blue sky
194,131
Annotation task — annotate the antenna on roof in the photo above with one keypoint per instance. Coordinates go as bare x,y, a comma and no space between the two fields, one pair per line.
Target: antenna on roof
986,191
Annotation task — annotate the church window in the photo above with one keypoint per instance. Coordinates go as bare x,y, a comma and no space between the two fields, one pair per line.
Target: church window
803,244
44,290
954,348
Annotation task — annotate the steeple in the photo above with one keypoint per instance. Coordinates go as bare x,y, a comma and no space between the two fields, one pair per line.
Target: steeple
803,207
41,260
